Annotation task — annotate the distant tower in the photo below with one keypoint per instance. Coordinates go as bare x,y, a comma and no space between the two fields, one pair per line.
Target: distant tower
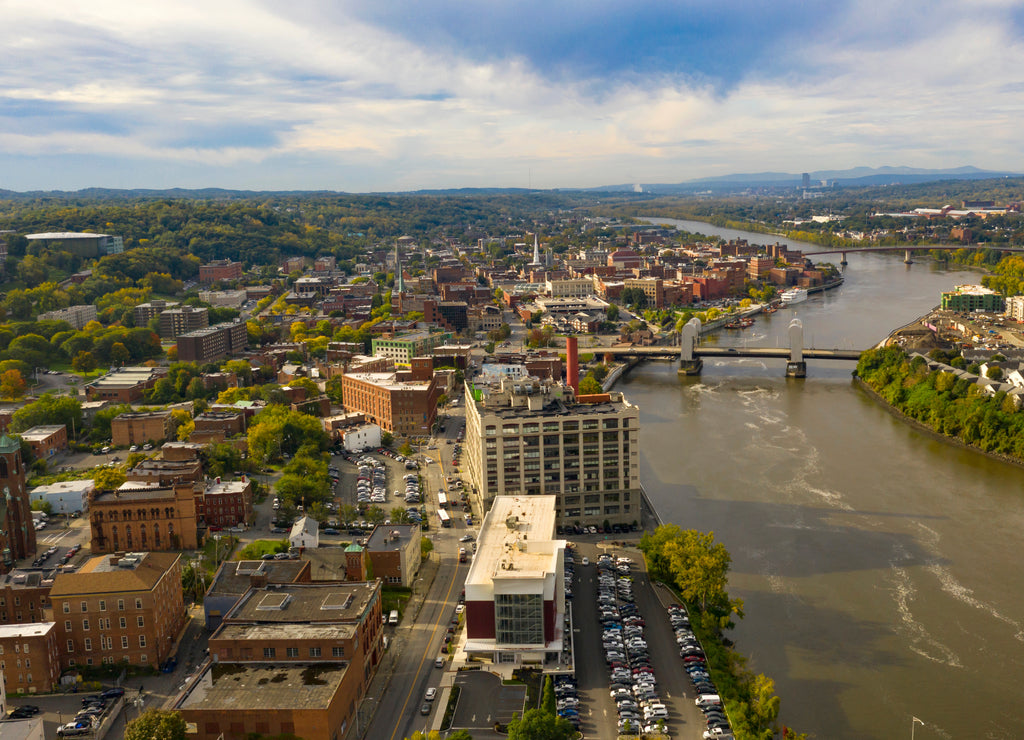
399,280
807,180
17,533
536,250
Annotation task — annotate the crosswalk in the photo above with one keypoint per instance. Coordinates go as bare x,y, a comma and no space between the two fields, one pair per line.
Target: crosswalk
56,536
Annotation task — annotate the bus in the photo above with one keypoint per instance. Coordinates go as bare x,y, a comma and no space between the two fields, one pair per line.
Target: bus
442,515
442,500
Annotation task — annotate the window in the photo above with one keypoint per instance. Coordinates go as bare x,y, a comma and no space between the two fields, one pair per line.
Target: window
142,621
138,603
103,606
314,652
143,658
120,605
88,643
85,624
269,652
71,646
67,627
519,619
85,606
67,607
292,652
337,652
124,642
123,623
142,641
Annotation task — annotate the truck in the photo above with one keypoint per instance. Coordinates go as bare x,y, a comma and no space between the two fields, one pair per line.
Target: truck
462,555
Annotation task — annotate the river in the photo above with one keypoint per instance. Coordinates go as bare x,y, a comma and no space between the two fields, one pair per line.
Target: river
878,565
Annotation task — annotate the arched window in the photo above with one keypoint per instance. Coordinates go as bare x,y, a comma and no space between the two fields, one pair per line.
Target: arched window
128,535
3,467
113,535
156,535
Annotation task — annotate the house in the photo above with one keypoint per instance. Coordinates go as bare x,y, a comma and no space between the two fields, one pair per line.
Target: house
305,533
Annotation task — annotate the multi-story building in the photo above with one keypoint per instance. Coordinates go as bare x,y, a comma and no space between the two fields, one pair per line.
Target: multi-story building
394,553
224,298
77,316
138,428
403,347
166,472
29,657
569,287
213,342
652,288
973,298
530,436
1015,307
515,597
222,424
217,270
82,244
123,608
64,497
47,440
234,578
25,597
293,659
18,535
226,503
146,312
402,403
147,518
175,321
124,385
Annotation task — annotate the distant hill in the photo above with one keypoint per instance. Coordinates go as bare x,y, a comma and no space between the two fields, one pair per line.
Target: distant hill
857,176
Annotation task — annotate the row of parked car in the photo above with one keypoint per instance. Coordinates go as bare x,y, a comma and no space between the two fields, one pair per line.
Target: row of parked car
91,714
633,685
696,666
371,485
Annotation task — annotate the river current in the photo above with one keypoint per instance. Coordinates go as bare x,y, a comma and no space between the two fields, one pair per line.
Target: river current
879,566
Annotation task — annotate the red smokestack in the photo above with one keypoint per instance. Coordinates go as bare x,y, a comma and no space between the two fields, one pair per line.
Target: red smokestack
572,364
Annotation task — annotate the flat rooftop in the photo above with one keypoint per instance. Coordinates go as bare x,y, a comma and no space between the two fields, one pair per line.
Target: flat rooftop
241,686
33,629
389,380
286,631
392,536
235,577
289,603
40,433
516,540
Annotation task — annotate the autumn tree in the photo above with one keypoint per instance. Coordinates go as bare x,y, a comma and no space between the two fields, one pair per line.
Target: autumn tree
156,724
12,384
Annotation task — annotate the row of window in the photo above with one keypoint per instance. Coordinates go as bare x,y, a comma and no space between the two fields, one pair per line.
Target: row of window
338,651
103,624
109,660
102,606
595,511
106,643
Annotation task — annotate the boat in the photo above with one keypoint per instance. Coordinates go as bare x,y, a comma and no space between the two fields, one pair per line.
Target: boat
771,309
740,324
793,295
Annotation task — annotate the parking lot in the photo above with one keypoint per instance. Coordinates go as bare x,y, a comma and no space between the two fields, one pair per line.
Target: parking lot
598,715
484,700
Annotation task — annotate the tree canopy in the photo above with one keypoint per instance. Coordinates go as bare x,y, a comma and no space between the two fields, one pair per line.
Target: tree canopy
156,724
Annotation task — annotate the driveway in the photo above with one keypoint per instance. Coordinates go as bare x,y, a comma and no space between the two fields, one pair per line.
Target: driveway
484,700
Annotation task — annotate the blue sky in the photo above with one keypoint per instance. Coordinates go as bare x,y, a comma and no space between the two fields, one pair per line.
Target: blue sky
399,95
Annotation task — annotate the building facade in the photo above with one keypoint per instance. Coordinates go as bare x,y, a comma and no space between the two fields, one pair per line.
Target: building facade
25,597
18,536
77,316
403,347
139,428
125,608
47,440
176,321
148,518
394,553
226,503
213,342
400,403
29,657
526,436
211,272
515,595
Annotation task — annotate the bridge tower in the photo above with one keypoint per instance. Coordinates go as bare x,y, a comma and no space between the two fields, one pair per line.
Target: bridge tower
688,363
843,262
907,258
796,367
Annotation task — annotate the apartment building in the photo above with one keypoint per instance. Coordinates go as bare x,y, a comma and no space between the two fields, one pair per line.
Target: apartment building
30,658
394,553
403,347
146,312
139,428
290,658
124,608
17,535
176,321
46,440
217,270
77,316
25,597
526,436
213,342
226,503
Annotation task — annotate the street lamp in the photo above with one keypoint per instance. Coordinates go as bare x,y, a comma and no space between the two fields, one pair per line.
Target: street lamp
914,721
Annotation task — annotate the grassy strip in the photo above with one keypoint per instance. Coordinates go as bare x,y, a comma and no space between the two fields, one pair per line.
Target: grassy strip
449,711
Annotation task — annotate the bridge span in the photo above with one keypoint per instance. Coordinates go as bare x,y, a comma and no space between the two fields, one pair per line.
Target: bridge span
691,356
909,250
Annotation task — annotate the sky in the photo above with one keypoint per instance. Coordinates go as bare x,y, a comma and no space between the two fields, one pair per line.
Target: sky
397,95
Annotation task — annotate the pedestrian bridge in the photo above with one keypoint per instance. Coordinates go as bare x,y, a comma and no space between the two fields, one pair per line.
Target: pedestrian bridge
690,355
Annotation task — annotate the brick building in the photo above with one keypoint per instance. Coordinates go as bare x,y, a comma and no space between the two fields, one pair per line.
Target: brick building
138,428
150,518
124,385
213,342
220,424
217,270
146,312
176,321
46,441
122,608
226,503
402,403
18,535
291,659
30,658
394,553
24,597
166,472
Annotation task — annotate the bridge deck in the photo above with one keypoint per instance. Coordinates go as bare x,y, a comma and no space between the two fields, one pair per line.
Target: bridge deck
672,353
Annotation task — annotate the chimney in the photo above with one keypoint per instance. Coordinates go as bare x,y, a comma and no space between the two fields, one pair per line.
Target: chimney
572,364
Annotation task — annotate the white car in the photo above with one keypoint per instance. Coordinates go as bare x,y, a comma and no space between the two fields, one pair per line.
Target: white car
431,694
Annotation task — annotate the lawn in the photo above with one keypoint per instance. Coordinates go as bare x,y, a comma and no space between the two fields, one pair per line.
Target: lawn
257,549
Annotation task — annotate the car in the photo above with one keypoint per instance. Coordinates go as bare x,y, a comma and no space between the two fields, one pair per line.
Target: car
78,727
439,661
431,694
332,531
585,561
466,538
425,708
460,608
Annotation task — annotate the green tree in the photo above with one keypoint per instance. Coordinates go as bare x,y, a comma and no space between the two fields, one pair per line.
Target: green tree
84,362
589,386
109,479
156,724
547,702
278,431
221,459
333,389
536,724
49,409
426,547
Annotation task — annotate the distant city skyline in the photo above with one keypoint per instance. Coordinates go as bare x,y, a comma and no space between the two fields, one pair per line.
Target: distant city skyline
388,95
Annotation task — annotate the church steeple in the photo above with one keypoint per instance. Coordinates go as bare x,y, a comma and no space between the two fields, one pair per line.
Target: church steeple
399,280
536,249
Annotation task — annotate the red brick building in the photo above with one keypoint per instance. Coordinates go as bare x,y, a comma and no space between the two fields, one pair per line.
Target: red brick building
225,503
30,658
218,270
18,535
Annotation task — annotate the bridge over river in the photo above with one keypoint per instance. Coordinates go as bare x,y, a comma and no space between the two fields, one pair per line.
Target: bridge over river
690,355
